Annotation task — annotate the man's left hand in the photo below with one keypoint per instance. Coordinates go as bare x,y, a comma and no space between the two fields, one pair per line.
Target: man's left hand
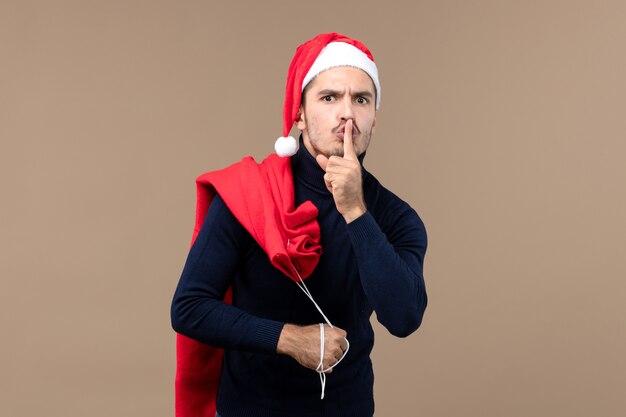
343,178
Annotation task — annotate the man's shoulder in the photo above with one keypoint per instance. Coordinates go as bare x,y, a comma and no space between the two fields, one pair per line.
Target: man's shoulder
386,206
381,194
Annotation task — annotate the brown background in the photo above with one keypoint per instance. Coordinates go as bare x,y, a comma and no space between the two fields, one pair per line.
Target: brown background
502,123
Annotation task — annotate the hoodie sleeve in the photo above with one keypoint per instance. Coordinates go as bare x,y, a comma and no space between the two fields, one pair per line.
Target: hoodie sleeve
390,250
198,310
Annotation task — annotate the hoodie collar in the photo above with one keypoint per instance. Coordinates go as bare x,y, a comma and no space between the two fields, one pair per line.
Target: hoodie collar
307,171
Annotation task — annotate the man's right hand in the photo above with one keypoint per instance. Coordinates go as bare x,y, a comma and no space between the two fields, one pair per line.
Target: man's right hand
303,344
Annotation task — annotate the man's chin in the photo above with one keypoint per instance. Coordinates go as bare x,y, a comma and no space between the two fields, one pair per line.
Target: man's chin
337,151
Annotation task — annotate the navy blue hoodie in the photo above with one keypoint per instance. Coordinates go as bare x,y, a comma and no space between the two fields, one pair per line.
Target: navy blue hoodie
375,263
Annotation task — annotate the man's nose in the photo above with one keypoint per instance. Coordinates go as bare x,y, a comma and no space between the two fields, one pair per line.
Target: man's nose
347,111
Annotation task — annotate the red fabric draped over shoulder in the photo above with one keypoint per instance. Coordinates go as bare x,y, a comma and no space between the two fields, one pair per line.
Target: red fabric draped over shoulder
261,197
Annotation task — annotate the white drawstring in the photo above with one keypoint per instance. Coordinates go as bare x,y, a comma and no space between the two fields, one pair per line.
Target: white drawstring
320,368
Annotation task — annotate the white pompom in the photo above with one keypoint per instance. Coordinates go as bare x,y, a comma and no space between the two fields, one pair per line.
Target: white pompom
286,146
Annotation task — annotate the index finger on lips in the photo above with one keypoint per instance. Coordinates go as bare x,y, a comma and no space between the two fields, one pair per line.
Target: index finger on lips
348,145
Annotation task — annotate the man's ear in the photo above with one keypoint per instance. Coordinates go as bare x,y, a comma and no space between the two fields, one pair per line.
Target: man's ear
300,119
374,125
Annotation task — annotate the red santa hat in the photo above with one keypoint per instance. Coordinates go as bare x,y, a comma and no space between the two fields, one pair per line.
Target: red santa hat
324,51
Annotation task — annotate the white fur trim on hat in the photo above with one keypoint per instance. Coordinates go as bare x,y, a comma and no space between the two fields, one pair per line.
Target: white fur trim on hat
338,54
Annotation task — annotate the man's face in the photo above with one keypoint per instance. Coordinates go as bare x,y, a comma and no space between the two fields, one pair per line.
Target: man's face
330,100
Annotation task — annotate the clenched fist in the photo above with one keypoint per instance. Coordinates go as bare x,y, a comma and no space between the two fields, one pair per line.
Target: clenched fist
303,344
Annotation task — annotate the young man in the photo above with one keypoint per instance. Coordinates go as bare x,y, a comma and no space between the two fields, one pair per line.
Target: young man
311,223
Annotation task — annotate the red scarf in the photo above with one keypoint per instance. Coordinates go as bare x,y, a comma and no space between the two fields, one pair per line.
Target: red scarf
261,197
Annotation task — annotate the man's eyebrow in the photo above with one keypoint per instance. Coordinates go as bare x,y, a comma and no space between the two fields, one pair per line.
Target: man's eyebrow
365,94
330,92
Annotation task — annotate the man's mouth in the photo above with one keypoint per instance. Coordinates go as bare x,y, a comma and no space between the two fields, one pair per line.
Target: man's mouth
340,132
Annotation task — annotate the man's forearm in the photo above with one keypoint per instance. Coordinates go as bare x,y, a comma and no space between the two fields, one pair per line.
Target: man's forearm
392,276
198,310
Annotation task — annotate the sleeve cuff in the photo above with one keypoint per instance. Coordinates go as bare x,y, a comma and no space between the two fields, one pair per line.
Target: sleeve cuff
267,333
363,228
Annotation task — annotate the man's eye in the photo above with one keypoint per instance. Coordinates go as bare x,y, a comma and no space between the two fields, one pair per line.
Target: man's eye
327,98
362,100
